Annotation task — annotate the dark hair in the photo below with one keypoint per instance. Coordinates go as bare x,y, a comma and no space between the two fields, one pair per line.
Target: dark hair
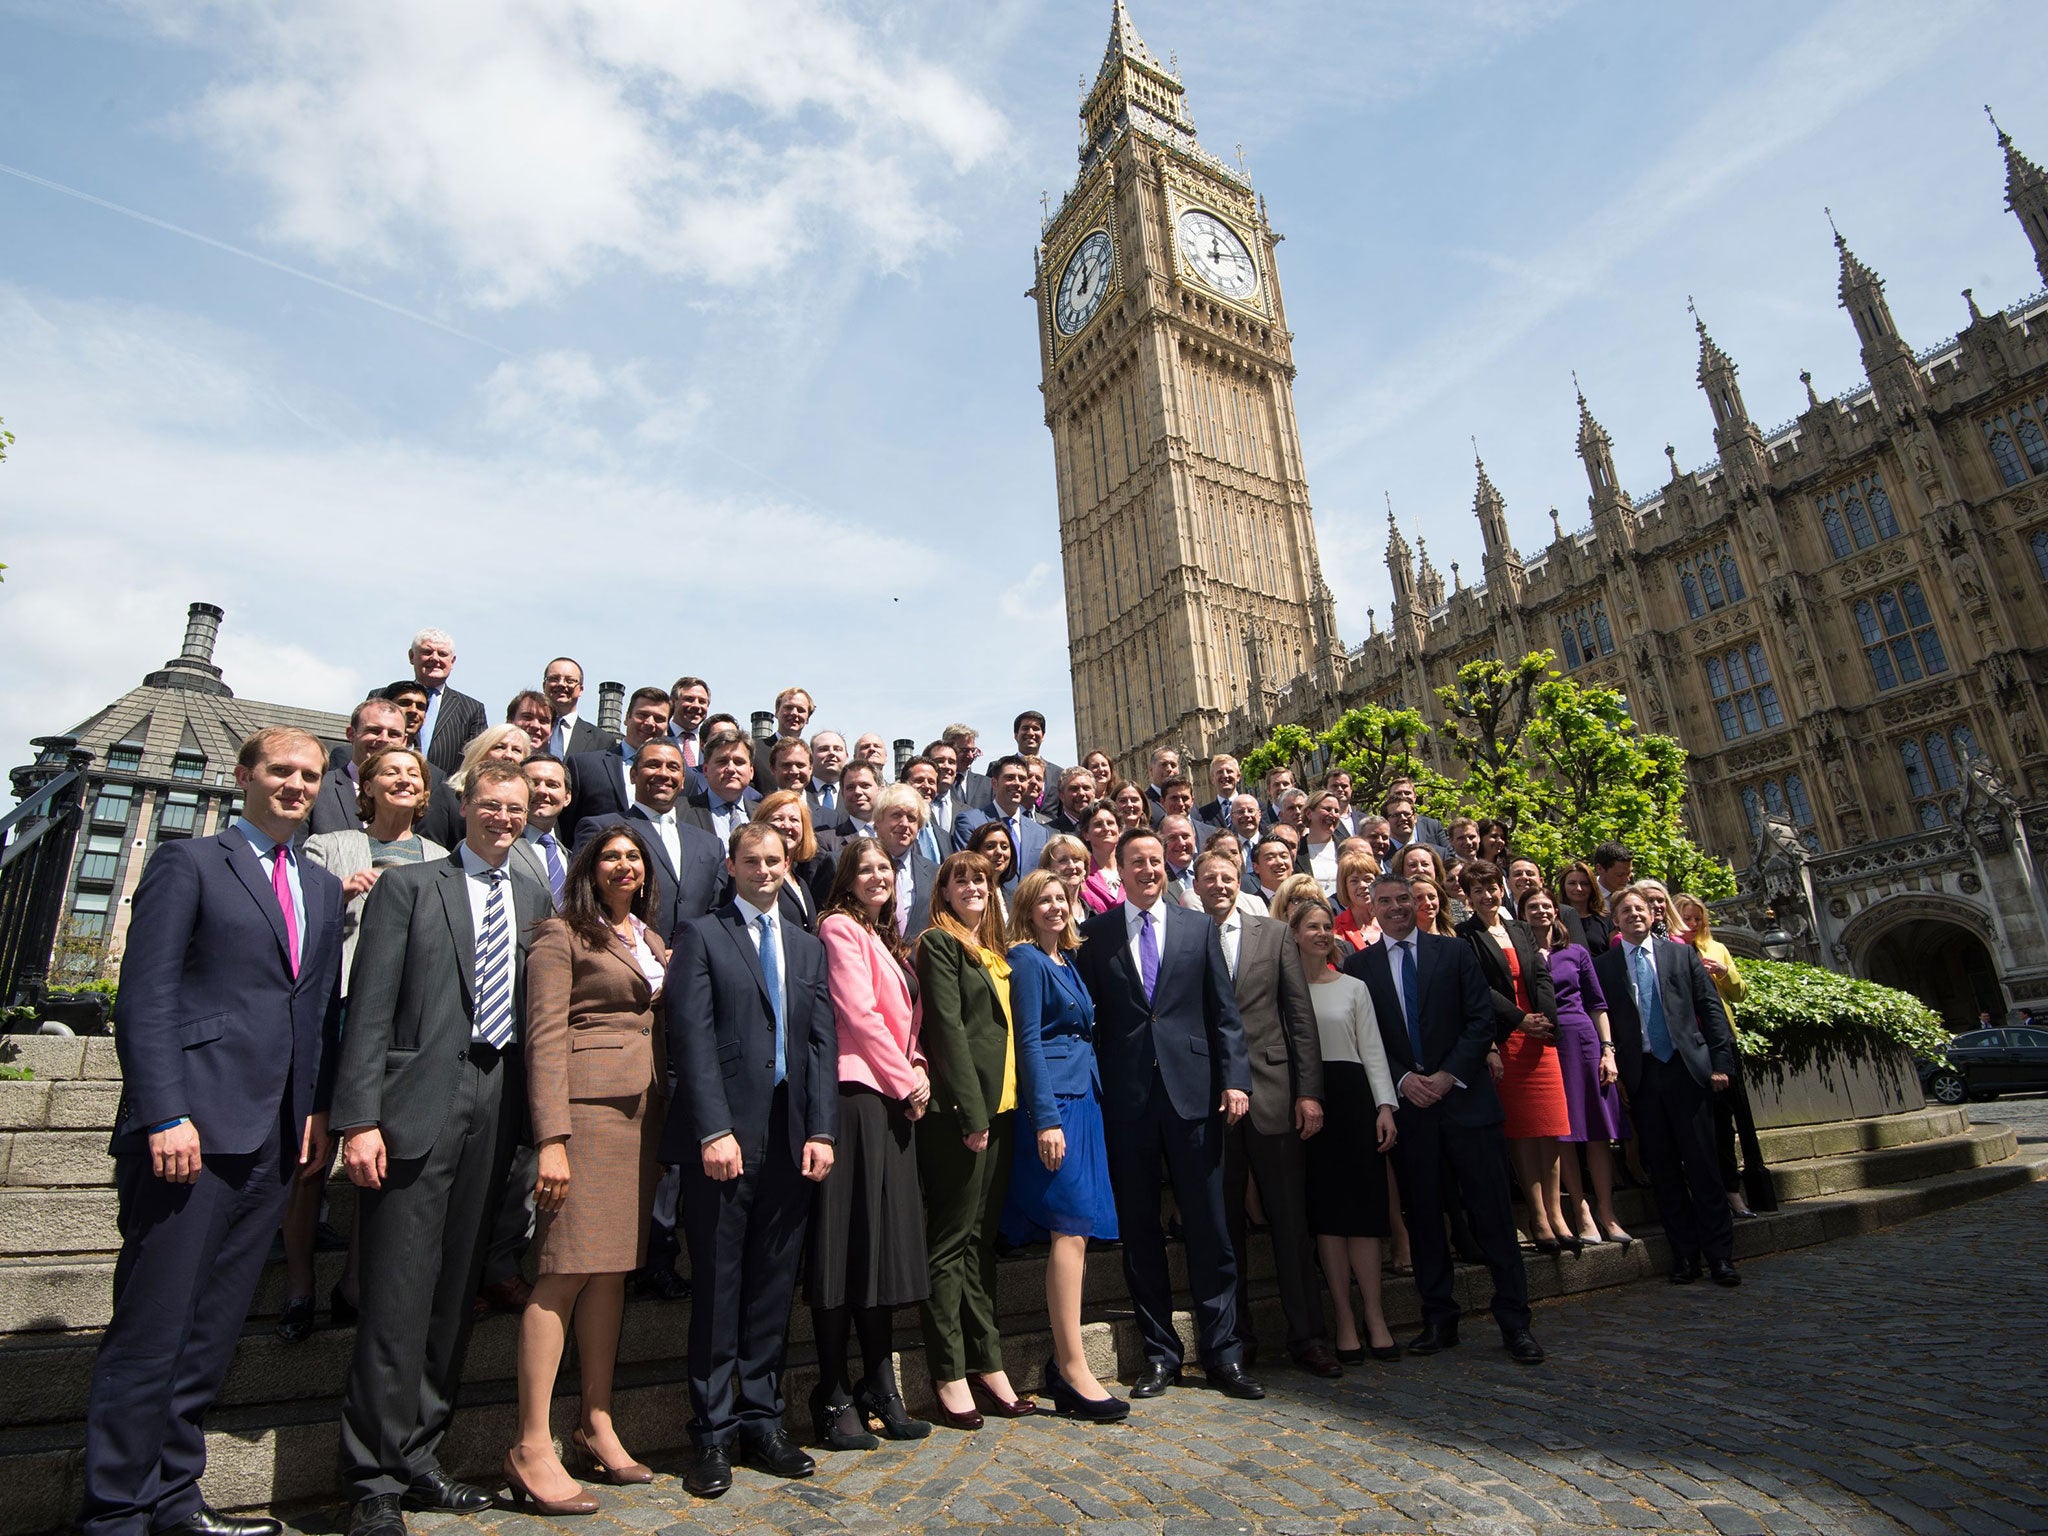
1178,781
725,741
1558,934
748,833
689,682
390,691
1277,842
711,725
859,765
1597,905
1030,714
526,695
1609,854
781,750
979,839
1477,872
914,762
842,900
569,659
1136,834
1005,761
541,757
583,910
1493,828
650,696
1511,858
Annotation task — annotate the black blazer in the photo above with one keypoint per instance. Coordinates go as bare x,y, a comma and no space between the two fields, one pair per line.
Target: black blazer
1507,1015
411,999
680,894
458,722
597,787
695,809
1190,1029
211,1024
585,737
1692,1012
721,1041
1455,1009
443,822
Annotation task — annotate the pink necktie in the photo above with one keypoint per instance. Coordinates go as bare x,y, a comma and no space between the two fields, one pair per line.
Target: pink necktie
281,884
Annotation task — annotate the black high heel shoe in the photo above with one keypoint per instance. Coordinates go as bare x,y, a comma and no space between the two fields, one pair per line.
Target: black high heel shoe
1547,1246
895,1418
1350,1356
340,1310
1070,1404
839,1425
1574,1245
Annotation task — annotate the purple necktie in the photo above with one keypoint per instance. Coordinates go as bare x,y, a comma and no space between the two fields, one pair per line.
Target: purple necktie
1148,956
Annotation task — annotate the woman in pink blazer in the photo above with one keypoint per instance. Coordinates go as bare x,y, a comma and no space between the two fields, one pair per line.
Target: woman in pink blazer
1100,829
867,1254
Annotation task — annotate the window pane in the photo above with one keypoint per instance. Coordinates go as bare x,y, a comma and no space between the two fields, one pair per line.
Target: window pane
1750,720
1738,670
2036,450
1795,793
2006,457
124,759
1966,743
91,901
1569,646
1585,638
1758,667
1902,656
2041,553
1930,815
187,765
1730,729
1754,811
1715,680
1931,652
1774,797
1881,667
1838,536
1916,769
1603,633
1711,583
114,803
1916,605
1767,699
1894,620
1938,758
1859,524
1881,509
98,866
1693,605
1866,623
1731,578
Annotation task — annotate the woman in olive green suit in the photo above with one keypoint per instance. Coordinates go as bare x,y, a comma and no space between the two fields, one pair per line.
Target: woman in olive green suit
963,1143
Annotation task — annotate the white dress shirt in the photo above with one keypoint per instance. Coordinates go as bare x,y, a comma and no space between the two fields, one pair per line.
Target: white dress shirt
478,886
559,737
665,828
1134,927
1230,931
752,916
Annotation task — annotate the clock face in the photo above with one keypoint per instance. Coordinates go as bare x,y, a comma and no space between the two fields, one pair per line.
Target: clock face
1083,285
1217,255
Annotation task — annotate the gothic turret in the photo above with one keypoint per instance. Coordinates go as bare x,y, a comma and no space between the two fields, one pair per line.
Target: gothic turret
1407,620
1429,581
1132,90
1503,561
1740,444
1612,526
1887,360
2026,194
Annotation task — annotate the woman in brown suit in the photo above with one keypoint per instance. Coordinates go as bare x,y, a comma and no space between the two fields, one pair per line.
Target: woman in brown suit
596,1083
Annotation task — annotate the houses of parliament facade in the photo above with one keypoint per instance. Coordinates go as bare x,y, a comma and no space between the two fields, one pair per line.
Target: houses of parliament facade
1844,619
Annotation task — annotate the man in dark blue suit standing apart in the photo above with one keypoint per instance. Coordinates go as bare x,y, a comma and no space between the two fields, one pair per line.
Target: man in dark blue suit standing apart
1174,1074
230,1004
754,1054
1435,1014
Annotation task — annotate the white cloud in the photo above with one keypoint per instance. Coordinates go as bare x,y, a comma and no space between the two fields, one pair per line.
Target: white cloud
531,144
566,402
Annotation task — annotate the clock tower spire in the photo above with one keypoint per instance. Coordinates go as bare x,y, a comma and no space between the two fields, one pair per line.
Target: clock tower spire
1169,392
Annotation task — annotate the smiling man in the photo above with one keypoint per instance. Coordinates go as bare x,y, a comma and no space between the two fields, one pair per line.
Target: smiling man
452,719
569,733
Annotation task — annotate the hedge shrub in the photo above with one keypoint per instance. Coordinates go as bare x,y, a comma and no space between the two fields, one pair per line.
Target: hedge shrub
1793,1013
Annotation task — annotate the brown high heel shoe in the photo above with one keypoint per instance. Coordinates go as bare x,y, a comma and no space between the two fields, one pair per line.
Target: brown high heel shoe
630,1474
524,1497
1019,1407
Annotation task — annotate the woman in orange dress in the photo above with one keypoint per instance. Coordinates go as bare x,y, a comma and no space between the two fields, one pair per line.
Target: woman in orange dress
1532,1097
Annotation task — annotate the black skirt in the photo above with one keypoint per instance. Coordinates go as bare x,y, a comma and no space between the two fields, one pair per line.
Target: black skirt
1346,1185
867,1222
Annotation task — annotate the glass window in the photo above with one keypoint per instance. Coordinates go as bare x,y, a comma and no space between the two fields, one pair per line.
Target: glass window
114,802
1881,510
1716,680
1795,794
1752,807
1774,797
1602,632
1941,760
1859,523
1693,605
1838,536
1744,698
1731,578
2005,456
1569,644
1913,649
188,765
1916,769
2033,446
2041,553
1866,623
180,813
124,759
1710,583
1966,743
89,913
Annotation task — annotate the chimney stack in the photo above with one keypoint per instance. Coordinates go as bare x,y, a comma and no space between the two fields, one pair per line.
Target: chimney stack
202,626
611,708
192,668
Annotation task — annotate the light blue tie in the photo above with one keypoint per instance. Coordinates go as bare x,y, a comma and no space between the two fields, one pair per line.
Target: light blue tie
1656,1034
558,740
494,968
771,972
828,798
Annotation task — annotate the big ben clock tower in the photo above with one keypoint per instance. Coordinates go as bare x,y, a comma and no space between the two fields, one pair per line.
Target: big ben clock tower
1185,533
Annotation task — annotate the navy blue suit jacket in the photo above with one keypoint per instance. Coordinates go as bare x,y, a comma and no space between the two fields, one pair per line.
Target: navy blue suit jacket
1032,838
210,1024
1190,1030
1054,1018
679,894
1456,1017
721,1040
695,808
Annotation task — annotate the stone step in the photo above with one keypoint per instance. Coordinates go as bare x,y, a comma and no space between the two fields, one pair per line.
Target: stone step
59,1105
58,1159
1977,1146
63,1058
1838,1138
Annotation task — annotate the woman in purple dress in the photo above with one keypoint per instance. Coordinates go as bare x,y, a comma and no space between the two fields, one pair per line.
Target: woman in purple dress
1585,1055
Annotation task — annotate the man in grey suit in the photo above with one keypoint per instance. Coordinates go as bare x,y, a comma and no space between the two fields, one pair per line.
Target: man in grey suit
424,1099
373,725
1281,1039
572,735
453,720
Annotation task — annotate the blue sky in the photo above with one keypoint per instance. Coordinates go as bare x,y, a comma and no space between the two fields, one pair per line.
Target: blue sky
693,337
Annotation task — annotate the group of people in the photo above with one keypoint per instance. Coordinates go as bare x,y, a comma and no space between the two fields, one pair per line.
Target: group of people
547,986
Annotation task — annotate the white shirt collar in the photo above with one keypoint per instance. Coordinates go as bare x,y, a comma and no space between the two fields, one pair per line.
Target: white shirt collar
750,912
1393,943
665,818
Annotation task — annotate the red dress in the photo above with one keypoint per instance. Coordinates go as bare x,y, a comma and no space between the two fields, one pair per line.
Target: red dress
1532,1088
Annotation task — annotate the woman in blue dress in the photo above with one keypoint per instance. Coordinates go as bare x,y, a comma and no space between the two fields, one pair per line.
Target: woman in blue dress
1060,1184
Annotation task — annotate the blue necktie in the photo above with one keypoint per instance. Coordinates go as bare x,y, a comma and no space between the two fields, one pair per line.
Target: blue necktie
771,972
828,798
1656,1034
494,968
558,874
1411,997
1148,956
558,740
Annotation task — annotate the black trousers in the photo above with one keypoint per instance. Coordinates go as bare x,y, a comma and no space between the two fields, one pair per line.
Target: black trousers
1478,1160
191,1256
424,1236
1193,1152
746,1238
1674,1120
1279,1163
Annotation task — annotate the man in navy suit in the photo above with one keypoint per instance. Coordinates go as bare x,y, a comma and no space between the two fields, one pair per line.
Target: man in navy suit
601,782
1225,777
688,866
1435,1014
1029,730
569,734
373,725
726,800
1010,779
1674,1052
755,1058
1174,1076
229,1011
1404,827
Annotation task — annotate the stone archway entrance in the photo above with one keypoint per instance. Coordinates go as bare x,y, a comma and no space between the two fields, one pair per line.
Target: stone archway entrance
1943,964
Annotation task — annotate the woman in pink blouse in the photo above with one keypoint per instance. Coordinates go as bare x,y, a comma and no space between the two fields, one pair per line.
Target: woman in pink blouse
867,1252
1101,826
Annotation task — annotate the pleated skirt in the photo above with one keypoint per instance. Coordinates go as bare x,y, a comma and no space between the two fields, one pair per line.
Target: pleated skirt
867,1245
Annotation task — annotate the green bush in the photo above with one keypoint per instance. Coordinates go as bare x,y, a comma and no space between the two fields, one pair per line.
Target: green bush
1794,1013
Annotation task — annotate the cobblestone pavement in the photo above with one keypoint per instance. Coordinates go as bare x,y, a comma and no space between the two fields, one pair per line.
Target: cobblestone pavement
2027,1115
1885,1383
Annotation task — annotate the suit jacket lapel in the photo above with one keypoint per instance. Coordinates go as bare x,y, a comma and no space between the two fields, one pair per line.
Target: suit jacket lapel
1120,957
651,838
249,870
735,926
461,927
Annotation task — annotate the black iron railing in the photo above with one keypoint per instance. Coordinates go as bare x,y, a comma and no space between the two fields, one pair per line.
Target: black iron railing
37,839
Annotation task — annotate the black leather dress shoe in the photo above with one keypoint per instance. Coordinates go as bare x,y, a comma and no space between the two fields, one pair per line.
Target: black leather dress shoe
207,1521
710,1472
377,1515
438,1491
1155,1379
1437,1335
1231,1381
295,1322
1522,1347
778,1455
1723,1272
1685,1271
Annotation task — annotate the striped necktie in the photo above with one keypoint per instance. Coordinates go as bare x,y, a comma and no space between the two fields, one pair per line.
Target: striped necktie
494,968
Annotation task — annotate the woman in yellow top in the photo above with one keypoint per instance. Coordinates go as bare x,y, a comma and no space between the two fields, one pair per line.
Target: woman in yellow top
1732,1119
964,1142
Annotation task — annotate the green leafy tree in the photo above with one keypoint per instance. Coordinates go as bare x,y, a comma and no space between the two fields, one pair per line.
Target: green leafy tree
1285,748
1375,745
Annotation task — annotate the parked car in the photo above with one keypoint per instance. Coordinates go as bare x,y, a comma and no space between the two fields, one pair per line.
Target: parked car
1983,1063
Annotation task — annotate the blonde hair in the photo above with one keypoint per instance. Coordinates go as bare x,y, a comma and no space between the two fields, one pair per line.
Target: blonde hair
1296,888
1023,930
1697,933
806,845
481,748
1355,866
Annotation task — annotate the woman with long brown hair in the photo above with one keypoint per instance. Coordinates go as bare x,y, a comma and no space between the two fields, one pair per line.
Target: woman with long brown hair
963,1149
596,1084
867,1248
